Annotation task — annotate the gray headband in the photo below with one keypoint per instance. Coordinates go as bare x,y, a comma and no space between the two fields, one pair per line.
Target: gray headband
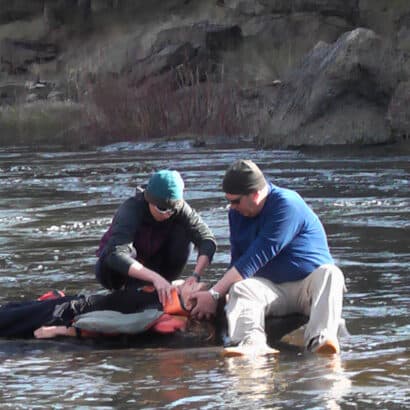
242,178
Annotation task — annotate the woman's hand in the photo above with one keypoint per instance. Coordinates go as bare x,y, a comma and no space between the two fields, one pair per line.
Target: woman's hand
163,288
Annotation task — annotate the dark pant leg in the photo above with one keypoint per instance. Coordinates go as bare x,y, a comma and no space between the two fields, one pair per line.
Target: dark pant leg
22,318
109,278
124,300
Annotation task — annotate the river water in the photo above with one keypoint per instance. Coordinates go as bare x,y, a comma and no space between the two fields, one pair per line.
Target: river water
55,205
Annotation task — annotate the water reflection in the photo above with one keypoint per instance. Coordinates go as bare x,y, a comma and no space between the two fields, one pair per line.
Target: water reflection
255,378
321,382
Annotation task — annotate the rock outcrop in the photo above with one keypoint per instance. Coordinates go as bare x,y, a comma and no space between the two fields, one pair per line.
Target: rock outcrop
339,94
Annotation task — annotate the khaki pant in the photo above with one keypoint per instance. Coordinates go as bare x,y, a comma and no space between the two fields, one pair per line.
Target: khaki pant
319,296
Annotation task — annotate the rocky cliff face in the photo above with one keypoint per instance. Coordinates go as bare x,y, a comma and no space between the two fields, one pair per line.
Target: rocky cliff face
310,72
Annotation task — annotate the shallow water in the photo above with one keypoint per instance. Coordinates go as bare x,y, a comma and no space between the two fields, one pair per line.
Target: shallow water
54,206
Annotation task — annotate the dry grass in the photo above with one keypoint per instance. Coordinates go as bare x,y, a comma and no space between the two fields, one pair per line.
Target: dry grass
37,123
114,109
173,104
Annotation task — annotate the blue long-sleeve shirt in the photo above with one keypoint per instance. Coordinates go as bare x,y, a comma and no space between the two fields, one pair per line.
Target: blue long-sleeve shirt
284,242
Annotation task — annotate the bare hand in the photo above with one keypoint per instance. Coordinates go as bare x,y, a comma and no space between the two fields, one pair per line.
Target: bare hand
205,305
163,288
187,289
191,280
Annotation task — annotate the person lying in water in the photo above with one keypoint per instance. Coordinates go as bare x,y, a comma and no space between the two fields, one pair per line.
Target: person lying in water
122,311
136,313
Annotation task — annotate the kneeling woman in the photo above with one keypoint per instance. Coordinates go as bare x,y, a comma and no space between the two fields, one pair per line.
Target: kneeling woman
151,236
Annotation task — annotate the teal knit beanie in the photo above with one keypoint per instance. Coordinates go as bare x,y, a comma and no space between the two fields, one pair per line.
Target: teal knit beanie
165,189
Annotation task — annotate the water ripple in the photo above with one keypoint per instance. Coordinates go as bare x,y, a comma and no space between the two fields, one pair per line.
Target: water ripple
54,207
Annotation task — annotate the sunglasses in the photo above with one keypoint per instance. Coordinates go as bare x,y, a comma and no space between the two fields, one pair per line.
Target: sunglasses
235,201
162,210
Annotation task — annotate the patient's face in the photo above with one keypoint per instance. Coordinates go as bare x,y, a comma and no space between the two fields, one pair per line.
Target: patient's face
186,290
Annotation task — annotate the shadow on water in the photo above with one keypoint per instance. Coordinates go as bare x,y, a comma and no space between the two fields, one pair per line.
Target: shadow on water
54,206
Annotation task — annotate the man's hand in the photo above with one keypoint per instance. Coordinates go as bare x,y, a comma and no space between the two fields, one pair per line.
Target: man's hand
163,288
205,305
192,280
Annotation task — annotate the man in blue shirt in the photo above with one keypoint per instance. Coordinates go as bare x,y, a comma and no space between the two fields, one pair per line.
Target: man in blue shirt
280,264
